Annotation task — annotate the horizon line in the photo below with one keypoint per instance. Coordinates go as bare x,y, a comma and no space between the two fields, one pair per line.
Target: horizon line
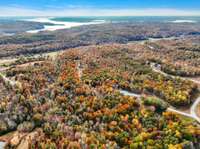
99,16
96,12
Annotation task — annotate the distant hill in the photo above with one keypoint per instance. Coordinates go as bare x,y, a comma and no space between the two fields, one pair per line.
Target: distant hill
10,27
26,43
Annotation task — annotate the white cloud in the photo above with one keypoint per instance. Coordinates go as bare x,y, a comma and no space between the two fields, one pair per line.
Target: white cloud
20,11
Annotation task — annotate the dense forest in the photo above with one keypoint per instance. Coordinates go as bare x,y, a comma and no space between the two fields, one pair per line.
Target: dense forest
111,86
26,44
74,101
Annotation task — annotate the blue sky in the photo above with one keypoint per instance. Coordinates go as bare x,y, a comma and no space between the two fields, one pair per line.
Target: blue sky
99,7
178,4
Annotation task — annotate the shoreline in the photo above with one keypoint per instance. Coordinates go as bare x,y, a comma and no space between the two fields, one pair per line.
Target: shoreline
58,25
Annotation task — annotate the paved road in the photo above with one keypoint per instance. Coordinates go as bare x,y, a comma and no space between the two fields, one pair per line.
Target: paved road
193,109
172,109
127,93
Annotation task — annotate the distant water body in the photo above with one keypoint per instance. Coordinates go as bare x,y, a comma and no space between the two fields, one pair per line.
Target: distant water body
129,19
68,22
64,23
57,23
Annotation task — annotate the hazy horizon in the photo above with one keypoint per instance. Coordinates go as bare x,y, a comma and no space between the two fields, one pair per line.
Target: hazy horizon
99,8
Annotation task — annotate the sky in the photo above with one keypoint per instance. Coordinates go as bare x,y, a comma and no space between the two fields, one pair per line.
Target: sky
99,7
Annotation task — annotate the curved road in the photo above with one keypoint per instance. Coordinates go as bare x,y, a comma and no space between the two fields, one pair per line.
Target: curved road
193,114
10,82
193,108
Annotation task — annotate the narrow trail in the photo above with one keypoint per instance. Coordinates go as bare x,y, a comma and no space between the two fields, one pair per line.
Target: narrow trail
11,83
7,80
79,69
